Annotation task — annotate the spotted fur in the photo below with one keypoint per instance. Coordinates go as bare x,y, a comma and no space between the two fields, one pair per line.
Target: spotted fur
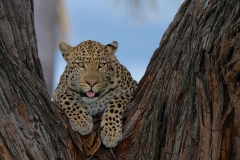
94,81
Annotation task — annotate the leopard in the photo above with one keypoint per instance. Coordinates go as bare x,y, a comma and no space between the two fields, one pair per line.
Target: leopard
94,81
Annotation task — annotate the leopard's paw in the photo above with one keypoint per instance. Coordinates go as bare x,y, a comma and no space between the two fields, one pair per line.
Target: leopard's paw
111,135
83,125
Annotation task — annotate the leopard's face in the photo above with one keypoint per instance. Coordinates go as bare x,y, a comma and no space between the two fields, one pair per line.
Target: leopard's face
92,76
89,67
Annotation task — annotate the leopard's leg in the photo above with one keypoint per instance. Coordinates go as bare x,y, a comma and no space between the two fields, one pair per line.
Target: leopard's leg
79,118
111,123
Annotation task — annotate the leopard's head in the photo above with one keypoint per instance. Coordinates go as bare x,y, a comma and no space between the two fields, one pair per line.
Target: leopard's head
89,67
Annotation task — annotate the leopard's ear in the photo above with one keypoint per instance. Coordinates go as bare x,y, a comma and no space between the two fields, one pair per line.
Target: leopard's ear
66,50
112,48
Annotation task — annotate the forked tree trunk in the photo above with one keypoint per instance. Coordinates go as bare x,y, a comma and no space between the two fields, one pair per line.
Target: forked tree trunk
187,105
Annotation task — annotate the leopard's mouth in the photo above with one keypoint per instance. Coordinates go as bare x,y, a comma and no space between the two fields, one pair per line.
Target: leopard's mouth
90,94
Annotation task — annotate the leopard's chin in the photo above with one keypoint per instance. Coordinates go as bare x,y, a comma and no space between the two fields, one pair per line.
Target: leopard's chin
88,100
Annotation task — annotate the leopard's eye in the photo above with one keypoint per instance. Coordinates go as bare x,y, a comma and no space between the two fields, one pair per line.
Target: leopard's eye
101,65
80,64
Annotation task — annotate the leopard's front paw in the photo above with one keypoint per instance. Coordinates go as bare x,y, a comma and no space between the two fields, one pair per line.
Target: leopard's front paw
111,135
83,124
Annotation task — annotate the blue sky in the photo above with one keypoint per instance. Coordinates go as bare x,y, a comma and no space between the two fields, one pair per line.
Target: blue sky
108,20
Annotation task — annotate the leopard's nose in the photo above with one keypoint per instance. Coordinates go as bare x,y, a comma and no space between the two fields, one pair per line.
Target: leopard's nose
91,83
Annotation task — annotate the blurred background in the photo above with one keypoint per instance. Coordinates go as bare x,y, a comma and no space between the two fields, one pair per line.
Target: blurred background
137,25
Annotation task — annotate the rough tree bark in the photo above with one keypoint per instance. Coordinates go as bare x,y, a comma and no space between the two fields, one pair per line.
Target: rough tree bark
187,105
188,102
30,123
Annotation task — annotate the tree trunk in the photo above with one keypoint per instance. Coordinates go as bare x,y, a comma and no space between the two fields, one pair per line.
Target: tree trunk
45,15
187,105
31,127
188,102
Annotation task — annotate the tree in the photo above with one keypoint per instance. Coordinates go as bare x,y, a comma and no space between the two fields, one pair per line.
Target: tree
45,13
186,105
51,25
30,127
